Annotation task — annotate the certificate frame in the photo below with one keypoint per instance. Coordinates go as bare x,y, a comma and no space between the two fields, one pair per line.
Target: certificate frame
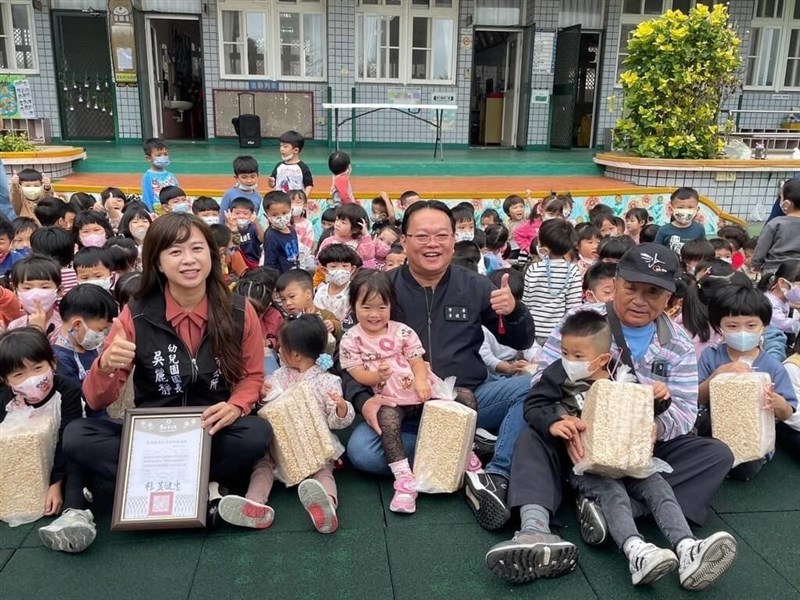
167,422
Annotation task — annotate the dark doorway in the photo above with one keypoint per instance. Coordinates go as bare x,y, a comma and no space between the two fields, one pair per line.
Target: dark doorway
565,80
85,86
586,92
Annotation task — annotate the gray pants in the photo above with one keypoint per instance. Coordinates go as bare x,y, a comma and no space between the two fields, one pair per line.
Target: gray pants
614,497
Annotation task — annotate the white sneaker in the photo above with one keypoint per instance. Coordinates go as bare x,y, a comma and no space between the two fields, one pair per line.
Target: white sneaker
73,531
650,564
242,512
704,561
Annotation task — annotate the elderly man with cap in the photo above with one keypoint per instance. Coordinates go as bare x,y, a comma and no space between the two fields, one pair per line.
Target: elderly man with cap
657,351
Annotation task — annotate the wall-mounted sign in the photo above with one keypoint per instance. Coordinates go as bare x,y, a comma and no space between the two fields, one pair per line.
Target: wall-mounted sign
543,45
123,45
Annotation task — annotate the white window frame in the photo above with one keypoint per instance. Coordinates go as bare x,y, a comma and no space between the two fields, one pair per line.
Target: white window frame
785,25
8,38
406,11
271,9
631,19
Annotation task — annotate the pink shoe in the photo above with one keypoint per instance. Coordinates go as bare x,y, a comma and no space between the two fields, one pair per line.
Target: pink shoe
474,464
405,495
318,505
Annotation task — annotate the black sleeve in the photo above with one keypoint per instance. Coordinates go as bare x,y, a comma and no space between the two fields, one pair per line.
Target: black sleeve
6,396
308,179
354,392
543,405
274,173
71,409
520,331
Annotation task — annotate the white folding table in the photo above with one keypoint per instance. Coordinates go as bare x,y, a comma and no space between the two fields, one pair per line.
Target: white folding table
412,110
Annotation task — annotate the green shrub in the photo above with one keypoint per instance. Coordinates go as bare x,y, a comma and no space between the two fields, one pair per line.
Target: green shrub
11,141
679,70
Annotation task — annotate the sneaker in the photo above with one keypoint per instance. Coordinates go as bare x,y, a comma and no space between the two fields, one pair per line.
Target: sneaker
532,555
486,495
702,563
483,445
594,530
650,564
318,505
212,510
405,495
245,513
73,531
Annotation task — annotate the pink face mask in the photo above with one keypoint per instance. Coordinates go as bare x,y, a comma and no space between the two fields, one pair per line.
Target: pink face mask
45,298
94,240
381,249
35,388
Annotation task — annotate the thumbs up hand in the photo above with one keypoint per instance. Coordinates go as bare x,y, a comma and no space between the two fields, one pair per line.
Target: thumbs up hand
14,177
119,354
502,300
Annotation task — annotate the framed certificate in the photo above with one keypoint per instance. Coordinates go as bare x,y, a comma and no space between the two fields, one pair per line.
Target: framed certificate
162,477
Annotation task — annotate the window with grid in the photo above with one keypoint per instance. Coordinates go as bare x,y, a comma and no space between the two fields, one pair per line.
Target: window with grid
17,39
406,41
638,11
773,53
272,39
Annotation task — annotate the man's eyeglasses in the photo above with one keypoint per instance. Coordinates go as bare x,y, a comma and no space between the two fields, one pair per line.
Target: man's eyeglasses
424,238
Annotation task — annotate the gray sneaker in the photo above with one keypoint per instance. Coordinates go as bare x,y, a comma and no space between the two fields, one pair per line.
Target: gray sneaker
532,555
74,531
706,560
594,530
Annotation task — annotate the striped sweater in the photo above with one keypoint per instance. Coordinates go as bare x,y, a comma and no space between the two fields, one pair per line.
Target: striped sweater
681,381
552,287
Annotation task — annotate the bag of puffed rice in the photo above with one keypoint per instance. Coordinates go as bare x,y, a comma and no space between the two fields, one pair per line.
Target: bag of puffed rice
446,433
618,441
28,438
302,442
738,418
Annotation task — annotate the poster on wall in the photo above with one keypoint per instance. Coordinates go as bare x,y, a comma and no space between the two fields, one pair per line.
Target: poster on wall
123,46
16,101
543,45
403,96
448,116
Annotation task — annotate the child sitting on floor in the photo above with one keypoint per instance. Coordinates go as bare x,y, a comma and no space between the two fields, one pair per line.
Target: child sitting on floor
302,355
387,356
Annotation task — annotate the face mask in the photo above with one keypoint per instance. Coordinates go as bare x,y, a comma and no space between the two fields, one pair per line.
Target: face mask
209,221
162,162
281,222
94,240
180,207
684,215
103,282
92,339
242,223
247,188
793,295
297,211
725,259
577,369
35,388
338,276
32,193
138,233
588,261
743,341
29,298
381,250
465,236
285,157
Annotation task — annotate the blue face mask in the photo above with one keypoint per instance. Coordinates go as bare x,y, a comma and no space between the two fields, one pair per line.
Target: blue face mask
181,207
743,341
162,162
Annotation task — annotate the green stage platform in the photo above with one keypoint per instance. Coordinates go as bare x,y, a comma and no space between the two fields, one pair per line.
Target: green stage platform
376,555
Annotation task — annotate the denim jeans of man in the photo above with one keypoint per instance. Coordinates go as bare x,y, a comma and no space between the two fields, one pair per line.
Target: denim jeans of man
499,410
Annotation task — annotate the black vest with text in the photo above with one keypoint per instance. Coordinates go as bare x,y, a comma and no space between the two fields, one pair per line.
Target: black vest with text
166,373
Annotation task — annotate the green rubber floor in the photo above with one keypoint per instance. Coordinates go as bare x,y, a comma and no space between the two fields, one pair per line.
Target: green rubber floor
436,553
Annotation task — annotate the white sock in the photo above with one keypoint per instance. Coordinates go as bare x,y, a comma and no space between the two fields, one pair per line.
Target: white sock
632,546
400,468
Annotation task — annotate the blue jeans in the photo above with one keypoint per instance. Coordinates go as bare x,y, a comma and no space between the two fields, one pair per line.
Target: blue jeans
499,409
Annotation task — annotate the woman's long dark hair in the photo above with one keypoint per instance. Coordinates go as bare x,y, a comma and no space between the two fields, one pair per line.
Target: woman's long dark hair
176,228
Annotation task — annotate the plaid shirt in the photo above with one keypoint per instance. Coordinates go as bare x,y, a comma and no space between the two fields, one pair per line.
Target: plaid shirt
681,381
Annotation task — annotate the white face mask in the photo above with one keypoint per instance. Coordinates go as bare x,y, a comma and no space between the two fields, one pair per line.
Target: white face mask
285,157
464,236
92,339
297,211
138,233
684,215
32,193
103,282
338,276
242,223
35,388
209,221
247,188
578,369
281,222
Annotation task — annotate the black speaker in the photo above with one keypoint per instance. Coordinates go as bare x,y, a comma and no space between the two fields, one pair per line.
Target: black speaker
248,127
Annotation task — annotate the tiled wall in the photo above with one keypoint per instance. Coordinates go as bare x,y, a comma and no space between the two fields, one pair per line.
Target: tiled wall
43,86
129,113
544,14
